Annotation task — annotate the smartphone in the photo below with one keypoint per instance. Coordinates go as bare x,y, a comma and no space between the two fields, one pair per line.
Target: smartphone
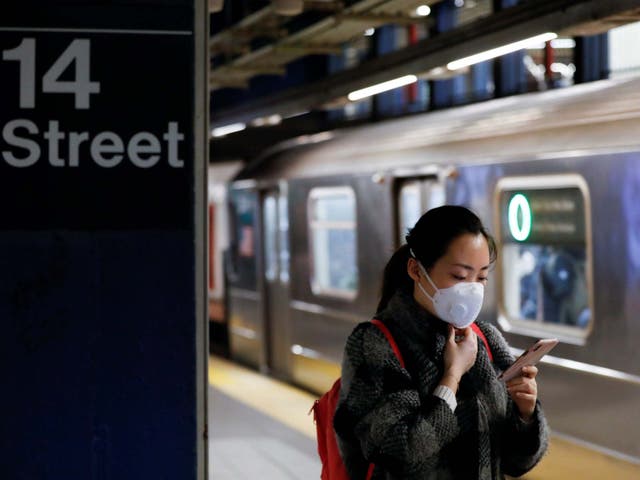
530,356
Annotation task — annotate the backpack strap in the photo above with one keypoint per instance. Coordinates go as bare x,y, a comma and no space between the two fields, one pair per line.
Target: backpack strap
390,338
476,329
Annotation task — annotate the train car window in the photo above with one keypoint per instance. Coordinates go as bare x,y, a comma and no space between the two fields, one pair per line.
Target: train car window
332,231
410,207
546,263
270,222
414,198
243,207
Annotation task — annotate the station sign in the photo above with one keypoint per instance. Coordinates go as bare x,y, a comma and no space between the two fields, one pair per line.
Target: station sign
100,255
542,216
86,112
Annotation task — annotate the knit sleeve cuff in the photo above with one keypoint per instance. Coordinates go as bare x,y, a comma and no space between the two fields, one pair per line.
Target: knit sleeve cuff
522,425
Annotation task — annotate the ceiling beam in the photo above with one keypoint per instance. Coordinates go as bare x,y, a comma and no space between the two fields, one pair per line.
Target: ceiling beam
506,26
379,18
230,47
308,48
223,81
255,31
323,5
254,141
252,70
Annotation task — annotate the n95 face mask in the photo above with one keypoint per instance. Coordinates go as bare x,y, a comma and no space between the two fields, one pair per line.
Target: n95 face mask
458,305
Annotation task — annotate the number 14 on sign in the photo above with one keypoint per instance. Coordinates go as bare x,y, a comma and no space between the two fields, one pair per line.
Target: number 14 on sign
78,52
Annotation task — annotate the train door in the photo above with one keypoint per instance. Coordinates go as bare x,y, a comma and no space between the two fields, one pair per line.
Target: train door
275,280
244,299
416,195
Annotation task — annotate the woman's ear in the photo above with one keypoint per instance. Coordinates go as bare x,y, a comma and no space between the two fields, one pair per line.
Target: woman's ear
413,269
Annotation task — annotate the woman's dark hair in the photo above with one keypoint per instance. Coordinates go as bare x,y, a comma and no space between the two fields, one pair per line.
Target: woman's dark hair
429,239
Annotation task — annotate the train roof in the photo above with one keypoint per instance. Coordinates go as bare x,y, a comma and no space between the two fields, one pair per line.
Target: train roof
596,116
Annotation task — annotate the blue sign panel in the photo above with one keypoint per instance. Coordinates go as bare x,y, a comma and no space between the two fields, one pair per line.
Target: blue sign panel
97,257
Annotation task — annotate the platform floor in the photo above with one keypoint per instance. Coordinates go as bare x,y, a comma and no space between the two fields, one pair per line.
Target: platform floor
248,444
259,428
252,427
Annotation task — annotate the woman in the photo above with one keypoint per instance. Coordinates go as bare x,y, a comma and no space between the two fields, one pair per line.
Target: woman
446,415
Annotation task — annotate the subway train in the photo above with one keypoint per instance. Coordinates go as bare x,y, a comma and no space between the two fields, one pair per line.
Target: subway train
556,177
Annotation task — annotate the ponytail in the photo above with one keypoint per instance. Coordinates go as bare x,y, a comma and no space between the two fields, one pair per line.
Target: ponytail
395,276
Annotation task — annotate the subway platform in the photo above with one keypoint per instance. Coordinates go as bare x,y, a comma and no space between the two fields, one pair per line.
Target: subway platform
260,428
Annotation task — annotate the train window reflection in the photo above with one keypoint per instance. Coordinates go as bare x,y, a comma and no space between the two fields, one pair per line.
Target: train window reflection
410,207
545,261
415,198
332,230
243,206
283,216
270,218
546,284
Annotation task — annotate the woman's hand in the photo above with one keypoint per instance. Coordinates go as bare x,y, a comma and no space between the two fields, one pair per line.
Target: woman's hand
459,356
524,391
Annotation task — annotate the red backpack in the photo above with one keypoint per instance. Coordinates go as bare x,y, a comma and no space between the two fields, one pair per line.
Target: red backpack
325,407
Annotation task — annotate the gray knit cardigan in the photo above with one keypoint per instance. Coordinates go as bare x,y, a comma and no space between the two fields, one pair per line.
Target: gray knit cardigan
387,414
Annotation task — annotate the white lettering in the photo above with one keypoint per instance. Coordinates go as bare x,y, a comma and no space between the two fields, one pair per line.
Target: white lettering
173,136
75,139
25,53
64,148
78,52
107,142
9,136
144,142
54,136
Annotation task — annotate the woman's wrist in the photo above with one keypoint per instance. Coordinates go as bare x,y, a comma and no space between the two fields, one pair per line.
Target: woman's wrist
451,380
526,417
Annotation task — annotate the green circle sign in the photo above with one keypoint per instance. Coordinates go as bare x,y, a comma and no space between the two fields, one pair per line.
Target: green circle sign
519,217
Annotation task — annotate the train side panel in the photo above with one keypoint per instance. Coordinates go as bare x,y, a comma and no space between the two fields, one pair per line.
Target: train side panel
590,389
484,154
323,316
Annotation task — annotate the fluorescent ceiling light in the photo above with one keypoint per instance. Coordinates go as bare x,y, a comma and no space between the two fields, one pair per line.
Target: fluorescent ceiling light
423,10
227,129
563,43
274,119
557,43
382,87
498,52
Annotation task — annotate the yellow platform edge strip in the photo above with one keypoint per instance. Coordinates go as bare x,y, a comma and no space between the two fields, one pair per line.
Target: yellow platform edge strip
275,399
